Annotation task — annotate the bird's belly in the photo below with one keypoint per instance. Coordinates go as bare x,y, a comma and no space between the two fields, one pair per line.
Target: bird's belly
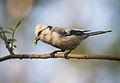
66,43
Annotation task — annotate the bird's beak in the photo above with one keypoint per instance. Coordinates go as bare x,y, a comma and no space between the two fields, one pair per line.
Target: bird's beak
35,41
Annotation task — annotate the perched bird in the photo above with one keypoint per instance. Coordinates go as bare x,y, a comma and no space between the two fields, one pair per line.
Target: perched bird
62,38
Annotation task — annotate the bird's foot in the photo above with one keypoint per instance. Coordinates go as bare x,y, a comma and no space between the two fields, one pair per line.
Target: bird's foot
53,54
66,56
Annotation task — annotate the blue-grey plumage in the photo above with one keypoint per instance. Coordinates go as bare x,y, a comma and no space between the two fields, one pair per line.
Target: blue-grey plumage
63,38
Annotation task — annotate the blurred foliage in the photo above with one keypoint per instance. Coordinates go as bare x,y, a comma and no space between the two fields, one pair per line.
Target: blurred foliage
10,31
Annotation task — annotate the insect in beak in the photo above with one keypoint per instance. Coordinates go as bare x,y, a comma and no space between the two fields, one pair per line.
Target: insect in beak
35,41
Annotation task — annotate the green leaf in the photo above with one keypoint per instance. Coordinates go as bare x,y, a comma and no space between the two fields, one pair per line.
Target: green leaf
17,25
12,48
35,42
12,40
11,29
6,32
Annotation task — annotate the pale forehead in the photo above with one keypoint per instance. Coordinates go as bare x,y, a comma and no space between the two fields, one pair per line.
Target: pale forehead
40,27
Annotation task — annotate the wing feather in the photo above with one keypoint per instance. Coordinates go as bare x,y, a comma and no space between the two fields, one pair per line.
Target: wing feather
68,32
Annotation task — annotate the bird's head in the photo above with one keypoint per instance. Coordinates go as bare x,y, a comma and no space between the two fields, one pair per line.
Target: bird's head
38,30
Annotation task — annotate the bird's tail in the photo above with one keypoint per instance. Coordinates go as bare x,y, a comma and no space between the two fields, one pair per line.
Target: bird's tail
98,32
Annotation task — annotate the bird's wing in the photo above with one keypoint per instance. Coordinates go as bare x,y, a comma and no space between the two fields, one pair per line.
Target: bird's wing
62,31
82,30
68,32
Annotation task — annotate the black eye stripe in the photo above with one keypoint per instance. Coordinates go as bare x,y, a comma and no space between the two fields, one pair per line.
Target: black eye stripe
50,27
39,33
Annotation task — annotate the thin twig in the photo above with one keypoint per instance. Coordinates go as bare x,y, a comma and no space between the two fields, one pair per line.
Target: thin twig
13,35
71,56
4,38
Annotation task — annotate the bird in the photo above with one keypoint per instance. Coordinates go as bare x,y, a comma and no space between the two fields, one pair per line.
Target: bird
65,39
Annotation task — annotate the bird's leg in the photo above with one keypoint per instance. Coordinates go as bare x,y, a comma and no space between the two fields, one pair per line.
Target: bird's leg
66,54
54,52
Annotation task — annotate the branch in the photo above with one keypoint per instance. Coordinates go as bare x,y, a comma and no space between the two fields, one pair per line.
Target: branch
4,38
71,56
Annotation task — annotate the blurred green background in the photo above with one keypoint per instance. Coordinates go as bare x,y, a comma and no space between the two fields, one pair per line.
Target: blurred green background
86,14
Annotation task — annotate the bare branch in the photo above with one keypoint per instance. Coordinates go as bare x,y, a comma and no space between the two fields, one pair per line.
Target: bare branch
71,56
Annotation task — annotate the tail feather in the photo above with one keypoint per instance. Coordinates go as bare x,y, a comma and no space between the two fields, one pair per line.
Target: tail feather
98,32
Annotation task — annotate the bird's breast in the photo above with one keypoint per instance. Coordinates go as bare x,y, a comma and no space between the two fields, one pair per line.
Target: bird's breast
65,42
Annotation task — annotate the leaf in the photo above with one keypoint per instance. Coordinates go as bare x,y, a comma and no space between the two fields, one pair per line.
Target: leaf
12,48
17,25
6,32
8,42
12,40
11,29
35,42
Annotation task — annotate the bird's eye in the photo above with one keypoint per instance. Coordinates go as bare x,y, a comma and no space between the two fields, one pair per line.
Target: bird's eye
39,33
50,27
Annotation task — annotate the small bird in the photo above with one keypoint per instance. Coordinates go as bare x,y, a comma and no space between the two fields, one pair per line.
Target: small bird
62,38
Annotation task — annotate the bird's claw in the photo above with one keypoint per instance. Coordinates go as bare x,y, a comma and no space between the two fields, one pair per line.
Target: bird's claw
53,54
66,56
